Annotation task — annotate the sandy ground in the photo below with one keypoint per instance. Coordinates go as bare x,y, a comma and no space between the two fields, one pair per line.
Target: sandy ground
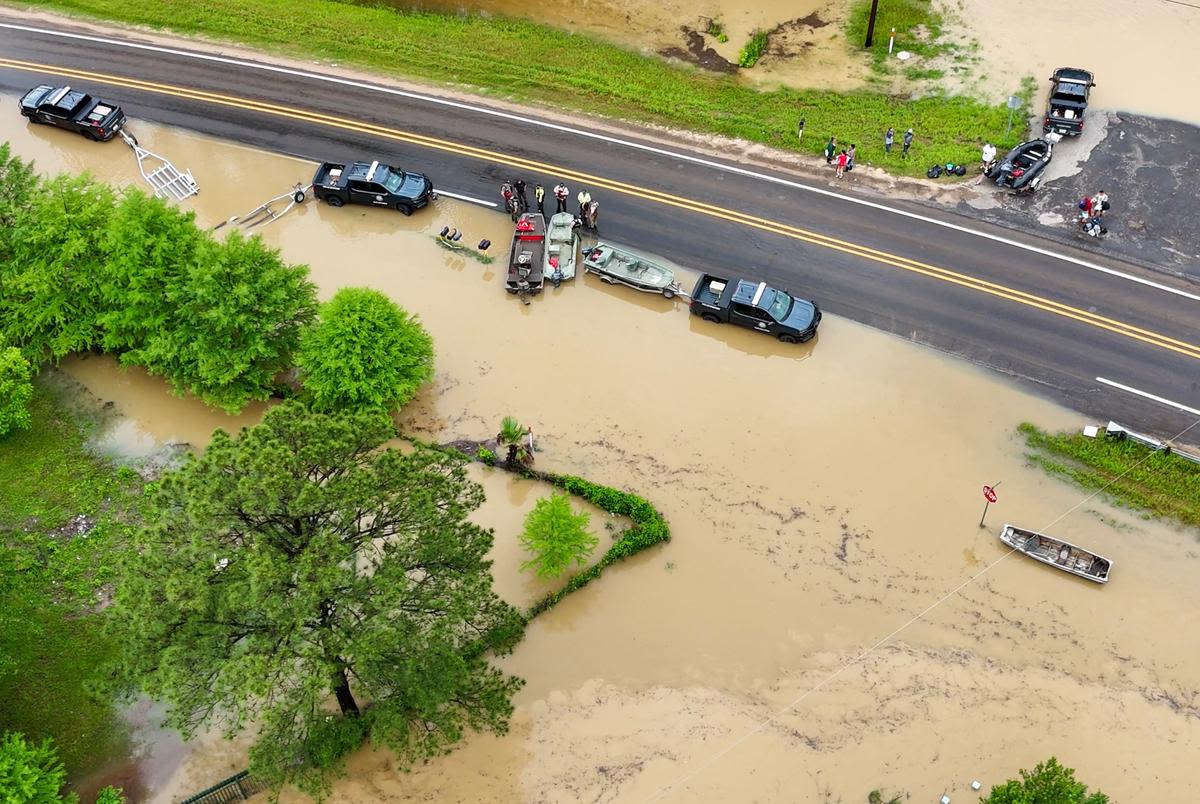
820,497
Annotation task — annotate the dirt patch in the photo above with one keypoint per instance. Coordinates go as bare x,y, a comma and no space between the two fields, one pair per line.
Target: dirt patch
699,53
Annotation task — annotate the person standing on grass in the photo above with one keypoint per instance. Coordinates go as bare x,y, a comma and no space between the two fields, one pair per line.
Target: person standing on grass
841,164
561,194
830,150
539,195
908,138
889,137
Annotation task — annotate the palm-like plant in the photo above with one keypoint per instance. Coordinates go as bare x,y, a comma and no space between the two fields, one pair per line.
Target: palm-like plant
513,436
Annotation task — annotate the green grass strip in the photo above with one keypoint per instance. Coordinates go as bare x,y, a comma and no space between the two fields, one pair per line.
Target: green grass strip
527,62
52,648
1159,483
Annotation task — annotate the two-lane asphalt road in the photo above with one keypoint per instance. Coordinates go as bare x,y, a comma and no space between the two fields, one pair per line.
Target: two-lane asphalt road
1051,318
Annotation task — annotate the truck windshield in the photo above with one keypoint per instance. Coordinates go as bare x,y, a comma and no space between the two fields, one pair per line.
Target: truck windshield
779,305
390,179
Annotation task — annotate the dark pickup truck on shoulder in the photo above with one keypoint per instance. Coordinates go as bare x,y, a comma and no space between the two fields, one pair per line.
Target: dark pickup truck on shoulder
755,306
72,110
372,183
1068,101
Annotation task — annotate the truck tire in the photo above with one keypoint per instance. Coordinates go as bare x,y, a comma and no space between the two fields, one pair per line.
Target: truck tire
404,209
787,337
712,318
334,201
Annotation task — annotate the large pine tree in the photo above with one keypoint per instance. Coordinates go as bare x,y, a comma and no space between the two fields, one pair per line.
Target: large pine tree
302,581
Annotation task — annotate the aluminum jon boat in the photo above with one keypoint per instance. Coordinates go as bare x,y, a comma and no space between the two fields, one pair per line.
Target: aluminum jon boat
562,248
1057,553
614,265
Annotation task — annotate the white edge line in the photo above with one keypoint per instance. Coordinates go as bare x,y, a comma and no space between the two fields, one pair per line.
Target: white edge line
472,200
612,140
1159,399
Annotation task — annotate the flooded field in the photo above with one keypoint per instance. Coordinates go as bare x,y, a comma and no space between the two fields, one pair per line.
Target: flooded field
1139,65
820,499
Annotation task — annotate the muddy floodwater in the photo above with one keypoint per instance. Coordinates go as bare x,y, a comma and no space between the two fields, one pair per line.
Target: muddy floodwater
824,503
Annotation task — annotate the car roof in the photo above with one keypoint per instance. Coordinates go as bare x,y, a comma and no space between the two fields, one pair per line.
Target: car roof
366,171
748,292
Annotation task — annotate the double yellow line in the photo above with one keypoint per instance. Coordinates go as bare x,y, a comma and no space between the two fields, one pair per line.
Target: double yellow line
744,219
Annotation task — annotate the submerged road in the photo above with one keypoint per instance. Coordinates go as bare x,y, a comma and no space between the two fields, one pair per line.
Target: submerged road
1053,319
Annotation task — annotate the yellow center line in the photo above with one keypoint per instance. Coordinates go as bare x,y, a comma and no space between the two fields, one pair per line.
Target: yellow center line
763,224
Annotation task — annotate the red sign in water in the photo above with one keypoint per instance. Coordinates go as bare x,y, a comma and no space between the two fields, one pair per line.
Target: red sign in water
989,494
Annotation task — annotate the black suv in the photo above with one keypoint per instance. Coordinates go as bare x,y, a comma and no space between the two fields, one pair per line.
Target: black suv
73,110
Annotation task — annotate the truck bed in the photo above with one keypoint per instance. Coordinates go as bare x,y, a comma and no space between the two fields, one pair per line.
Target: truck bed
709,289
329,174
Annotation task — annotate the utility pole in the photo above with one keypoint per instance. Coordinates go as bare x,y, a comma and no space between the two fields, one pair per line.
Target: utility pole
871,24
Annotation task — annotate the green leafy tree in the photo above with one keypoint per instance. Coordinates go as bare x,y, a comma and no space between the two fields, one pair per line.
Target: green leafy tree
514,437
365,353
30,773
287,574
151,249
556,536
236,323
16,389
1048,783
18,185
50,304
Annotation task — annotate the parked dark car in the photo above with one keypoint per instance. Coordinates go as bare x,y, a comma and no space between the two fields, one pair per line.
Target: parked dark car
73,110
372,183
1021,169
755,306
1068,101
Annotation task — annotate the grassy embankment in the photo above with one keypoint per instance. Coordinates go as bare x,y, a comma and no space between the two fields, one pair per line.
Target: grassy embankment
1159,483
534,63
51,642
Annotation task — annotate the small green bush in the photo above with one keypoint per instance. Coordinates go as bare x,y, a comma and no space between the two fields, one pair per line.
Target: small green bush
556,536
16,389
30,772
753,50
486,455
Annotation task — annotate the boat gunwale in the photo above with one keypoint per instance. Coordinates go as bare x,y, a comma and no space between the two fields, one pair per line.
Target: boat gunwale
1015,530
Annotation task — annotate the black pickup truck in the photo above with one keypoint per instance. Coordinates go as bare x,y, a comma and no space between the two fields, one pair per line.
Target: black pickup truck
755,306
72,110
372,183
1068,101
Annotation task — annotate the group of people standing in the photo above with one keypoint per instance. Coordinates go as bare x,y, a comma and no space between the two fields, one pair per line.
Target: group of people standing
512,192
843,159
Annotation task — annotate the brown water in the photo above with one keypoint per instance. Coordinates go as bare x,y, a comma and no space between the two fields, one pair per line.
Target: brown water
819,497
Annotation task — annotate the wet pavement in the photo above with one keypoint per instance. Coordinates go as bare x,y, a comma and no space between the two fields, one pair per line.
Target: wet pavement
1148,167
820,498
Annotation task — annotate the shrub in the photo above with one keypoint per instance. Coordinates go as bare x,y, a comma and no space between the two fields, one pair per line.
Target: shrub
16,390
365,353
486,455
111,795
753,50
556,536
30,772
1048,783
